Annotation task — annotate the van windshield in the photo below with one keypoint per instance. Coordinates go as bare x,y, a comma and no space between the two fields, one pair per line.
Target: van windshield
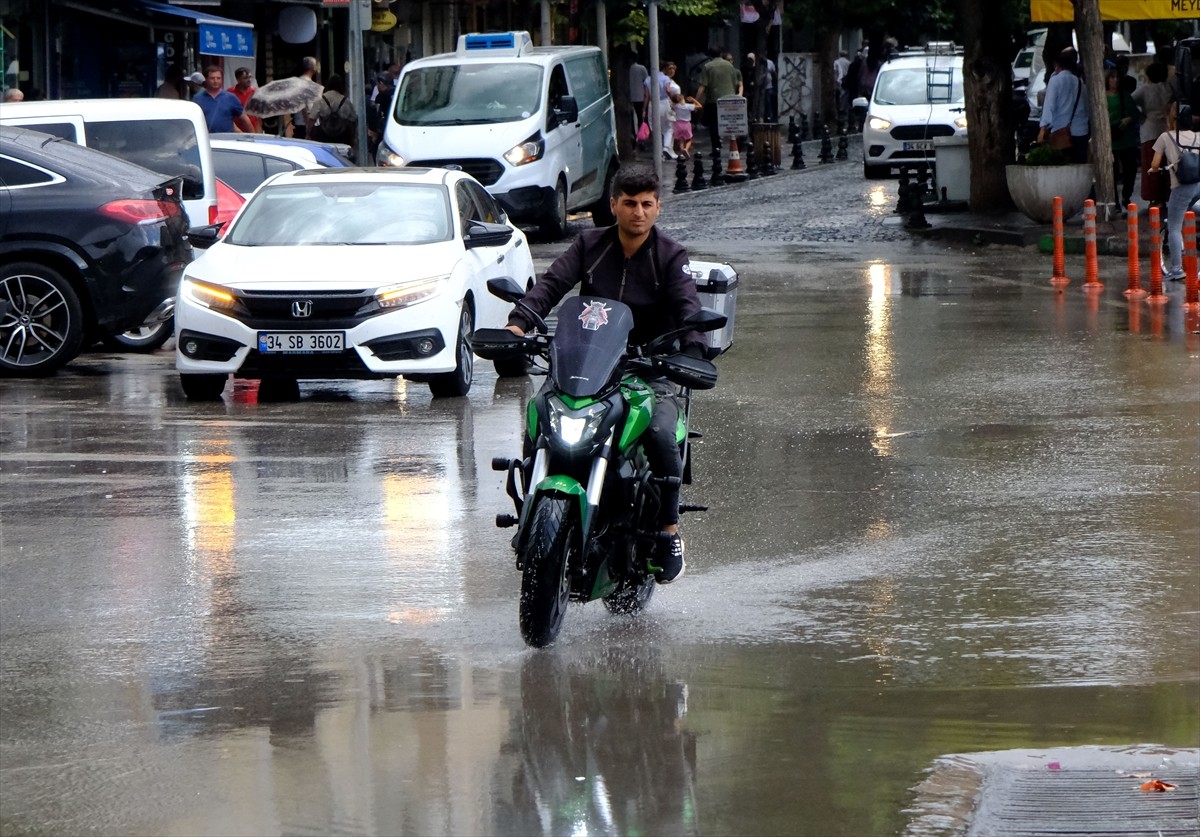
919,86
469,94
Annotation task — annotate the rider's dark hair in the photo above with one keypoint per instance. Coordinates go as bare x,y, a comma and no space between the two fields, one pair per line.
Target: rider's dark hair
634,180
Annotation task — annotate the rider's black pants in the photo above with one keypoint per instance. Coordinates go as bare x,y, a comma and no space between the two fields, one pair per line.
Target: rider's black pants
661,448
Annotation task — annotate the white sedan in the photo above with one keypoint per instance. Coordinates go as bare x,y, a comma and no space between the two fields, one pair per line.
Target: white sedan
350,273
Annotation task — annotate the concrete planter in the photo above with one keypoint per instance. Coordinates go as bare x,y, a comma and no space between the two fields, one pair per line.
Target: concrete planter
1033,189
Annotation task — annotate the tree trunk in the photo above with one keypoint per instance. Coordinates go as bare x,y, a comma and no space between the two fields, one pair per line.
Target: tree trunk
827,40
1090,32
987,82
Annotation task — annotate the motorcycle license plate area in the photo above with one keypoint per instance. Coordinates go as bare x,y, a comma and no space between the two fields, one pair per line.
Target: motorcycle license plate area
919,145
301,342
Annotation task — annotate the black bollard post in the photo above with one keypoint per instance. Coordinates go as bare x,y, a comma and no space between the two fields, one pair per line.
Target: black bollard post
793,130
698,172
768,168
843,152
798,155
916,201
681,181
902,192
826,155
751,159
803,127
716,178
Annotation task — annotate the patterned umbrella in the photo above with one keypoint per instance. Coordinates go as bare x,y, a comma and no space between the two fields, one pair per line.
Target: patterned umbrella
285,95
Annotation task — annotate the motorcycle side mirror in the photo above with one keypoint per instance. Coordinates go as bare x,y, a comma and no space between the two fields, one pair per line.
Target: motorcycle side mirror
509,291
706,320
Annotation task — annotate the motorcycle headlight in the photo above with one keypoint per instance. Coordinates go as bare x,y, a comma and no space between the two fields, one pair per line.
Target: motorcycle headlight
208,295
879,124
527,152
404,294
575,427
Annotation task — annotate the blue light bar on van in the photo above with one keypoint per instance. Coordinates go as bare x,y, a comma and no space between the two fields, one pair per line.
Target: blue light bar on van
497,40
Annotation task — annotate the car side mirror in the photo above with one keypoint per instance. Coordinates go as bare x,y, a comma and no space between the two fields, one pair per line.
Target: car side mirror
483,234
567,110
860,102
204,237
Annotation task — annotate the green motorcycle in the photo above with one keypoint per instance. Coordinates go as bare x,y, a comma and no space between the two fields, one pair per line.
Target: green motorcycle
586,501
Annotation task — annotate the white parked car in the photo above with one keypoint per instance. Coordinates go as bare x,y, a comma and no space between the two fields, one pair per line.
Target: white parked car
917,97
349,273
244,161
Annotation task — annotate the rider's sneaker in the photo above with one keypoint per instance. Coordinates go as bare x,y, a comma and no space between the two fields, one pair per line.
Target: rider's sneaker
669,558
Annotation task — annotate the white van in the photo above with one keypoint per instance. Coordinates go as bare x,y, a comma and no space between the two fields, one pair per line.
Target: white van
534,125
163,135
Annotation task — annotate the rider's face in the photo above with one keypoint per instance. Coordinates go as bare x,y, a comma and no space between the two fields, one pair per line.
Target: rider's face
635,214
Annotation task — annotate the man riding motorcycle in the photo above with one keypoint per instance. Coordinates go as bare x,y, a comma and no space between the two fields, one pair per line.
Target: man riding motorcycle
635,263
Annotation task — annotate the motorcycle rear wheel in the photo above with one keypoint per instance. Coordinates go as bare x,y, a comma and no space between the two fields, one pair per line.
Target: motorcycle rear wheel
631,597
545,583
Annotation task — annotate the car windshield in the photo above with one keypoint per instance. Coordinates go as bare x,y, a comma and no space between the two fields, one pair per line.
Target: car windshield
920,86
469,94
344,213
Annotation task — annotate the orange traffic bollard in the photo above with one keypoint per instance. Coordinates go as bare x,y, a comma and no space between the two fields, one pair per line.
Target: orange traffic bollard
1192,293
1156,286
1059,277
1091,260
1135,271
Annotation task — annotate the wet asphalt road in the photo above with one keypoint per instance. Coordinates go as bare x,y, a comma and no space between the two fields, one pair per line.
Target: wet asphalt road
952,511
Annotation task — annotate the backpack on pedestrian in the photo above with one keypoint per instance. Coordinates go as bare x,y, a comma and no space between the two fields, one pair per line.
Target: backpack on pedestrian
334,125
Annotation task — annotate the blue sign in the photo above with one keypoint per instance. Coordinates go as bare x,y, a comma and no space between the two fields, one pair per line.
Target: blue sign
229,41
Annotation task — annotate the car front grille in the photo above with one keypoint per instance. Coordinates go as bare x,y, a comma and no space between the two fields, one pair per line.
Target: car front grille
920,132
486,170
295,309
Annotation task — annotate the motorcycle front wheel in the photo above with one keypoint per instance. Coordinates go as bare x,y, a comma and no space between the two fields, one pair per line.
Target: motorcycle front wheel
545,583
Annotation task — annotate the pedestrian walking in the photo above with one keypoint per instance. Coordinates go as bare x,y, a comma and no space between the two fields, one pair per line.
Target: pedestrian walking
665,88
296,124
1170,146
1154,100
244,88
222,110
1124,120
1064,123
719,79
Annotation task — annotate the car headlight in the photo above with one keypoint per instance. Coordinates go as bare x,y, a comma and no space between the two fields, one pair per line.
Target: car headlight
527,152
575,427
208,295
386,157
961,121
878,123
403,294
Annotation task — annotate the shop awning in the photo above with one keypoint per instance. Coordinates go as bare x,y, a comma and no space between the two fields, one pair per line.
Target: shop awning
1054,11
218,35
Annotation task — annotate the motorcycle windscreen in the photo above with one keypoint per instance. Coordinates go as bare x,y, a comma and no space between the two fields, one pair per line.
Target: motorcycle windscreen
588,344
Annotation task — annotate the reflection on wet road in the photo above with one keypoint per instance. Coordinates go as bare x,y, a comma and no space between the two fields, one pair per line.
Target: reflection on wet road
951,512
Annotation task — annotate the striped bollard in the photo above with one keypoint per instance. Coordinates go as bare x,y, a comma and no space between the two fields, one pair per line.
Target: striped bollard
1192,284
1091,259
1059,276
1134,291
1156,285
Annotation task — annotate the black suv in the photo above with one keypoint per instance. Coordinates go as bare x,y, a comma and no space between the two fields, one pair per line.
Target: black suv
89,246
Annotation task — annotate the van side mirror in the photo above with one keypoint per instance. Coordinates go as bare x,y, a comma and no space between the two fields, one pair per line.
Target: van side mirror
567,110
860,102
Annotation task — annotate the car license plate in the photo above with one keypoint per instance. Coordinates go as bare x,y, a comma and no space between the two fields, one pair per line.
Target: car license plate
919,145
301,342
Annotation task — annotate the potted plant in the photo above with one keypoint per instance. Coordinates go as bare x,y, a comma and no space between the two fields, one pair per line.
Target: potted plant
1042,175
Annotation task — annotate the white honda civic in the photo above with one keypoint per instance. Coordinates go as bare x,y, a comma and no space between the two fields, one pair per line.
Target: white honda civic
350,273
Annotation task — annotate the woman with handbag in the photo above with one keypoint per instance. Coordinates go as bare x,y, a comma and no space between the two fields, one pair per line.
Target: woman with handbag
1181,149
1064,122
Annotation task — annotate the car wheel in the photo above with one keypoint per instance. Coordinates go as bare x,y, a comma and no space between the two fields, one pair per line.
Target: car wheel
602,214
145,338
876,172
203,387
554,224
458,383
42,330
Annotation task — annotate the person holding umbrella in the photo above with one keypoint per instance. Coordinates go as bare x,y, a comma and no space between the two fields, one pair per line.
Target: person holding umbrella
297,124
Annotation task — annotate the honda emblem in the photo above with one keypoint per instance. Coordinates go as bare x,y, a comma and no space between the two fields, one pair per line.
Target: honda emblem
302,308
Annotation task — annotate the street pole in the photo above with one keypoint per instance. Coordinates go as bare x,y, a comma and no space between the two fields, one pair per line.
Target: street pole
655,104
356,84
547,22
602,29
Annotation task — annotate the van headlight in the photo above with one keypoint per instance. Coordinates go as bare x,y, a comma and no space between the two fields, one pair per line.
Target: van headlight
879,124
404,294
575,427
961,121
386,157
209,295
527,152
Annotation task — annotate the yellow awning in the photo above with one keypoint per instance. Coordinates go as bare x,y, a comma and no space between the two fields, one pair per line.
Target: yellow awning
1053,11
